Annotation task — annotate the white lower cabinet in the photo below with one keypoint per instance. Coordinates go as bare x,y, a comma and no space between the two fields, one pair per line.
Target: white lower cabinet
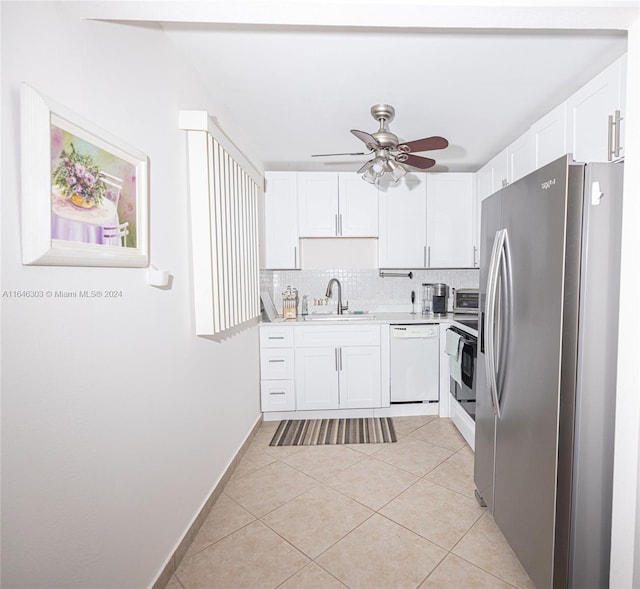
320,367
359,381
278,395
338,367
346,377
277,385
317,378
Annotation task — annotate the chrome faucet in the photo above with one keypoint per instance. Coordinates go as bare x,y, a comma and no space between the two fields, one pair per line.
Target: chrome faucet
341,307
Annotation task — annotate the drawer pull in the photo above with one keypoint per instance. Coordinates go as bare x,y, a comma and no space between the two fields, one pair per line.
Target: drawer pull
281,360
276,337
278,393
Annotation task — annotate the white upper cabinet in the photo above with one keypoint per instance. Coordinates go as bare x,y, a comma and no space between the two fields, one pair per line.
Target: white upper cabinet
281,221
317,204
595,116
520,156
451,226
500,167
428,221
484,182
549,136
403,224
484,189
334,204
358,206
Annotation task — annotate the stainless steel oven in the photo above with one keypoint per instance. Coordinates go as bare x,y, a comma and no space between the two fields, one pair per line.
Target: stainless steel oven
465,391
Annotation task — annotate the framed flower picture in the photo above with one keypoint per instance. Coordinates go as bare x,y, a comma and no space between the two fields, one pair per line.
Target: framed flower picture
84,191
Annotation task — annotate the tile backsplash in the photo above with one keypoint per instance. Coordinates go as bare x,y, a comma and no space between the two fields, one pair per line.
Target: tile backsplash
364,289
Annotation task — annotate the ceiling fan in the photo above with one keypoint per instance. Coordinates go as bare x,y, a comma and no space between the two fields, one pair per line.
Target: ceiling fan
391,155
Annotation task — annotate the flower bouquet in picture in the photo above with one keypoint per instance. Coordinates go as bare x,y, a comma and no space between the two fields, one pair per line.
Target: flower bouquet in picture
78,178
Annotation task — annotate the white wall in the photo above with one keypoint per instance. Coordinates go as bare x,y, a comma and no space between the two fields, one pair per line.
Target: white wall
116,420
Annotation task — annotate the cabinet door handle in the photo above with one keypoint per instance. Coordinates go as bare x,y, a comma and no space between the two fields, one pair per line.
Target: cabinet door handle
295,256
336,215
613,136
276,360
340,223
335,357
428,256
610,138
616,141
475,256
424,256
340,354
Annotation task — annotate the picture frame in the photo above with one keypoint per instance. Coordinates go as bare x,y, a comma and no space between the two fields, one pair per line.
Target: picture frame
84,194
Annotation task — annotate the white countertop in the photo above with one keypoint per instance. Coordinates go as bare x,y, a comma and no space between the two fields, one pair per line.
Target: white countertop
402,318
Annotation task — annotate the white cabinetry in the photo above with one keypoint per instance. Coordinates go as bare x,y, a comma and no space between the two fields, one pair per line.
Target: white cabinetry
277,370
520,156
317,378
500,171
317,204
451,227
484,189
358,206
484,182
281,221
428,221
594,115
334,204
337,367
550,136
402,242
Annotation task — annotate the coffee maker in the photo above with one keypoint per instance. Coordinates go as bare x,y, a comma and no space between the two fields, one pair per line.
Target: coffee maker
434,299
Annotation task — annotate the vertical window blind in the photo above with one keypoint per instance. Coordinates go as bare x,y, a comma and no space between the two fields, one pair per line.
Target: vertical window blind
223,194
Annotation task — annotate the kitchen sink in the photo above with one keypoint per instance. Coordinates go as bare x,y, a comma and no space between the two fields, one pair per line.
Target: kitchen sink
336,317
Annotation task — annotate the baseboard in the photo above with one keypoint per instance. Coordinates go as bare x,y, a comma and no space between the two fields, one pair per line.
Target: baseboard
175,559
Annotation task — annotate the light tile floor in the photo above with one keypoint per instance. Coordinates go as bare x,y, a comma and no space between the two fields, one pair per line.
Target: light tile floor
371,516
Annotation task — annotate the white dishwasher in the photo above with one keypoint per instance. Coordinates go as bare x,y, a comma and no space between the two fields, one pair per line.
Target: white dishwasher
415,362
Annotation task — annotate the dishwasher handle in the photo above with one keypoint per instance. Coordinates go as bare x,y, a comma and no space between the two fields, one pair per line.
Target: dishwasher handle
422,331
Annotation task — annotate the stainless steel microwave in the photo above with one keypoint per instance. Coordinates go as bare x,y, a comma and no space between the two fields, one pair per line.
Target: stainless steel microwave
466,300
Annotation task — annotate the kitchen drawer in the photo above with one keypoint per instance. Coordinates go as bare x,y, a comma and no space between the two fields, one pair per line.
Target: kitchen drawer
278,395
277,363
337,335
276,337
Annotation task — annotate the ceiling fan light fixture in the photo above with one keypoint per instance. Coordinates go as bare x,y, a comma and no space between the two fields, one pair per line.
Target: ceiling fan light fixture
378,167
369,177
397,170
390,153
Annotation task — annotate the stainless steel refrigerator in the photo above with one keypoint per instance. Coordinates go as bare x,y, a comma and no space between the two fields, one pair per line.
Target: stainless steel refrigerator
549,282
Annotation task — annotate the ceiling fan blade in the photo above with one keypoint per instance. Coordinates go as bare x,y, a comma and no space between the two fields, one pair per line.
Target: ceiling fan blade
417,161
369,140
426,144
329,154
364,168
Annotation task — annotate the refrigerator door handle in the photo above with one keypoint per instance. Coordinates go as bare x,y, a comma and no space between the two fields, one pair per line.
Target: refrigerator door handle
507,294
489,358
497,255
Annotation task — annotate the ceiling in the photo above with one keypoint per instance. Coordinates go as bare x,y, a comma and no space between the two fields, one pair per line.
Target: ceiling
290,78
299,90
